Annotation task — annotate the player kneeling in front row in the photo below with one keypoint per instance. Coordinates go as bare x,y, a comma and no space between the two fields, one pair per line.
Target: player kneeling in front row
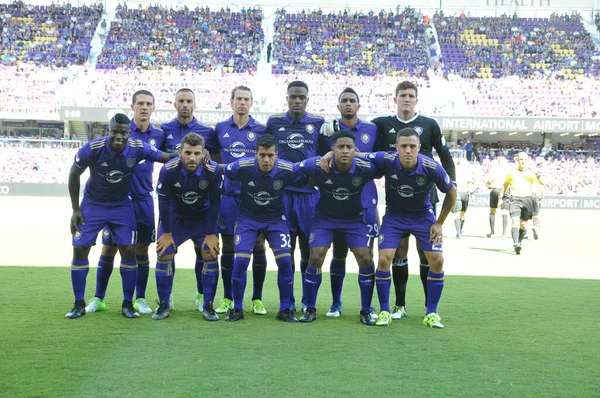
189,196
409,177
264,179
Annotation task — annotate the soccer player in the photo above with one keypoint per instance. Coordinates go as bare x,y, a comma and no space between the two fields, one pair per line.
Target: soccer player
464,176
189,196
112,161
297,134
430,137
237,138
142,104
409,176
521,206
340,213
175,130
263,181
366,135
497,176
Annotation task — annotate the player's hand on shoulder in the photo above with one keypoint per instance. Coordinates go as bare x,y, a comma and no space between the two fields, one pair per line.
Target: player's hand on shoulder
329,127
210,247
326,162
206,156
76,219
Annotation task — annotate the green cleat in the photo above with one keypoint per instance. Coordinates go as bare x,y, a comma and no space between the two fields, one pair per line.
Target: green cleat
385,319
200,301
226,304
96,305
258,307
433,321
171,302
141,306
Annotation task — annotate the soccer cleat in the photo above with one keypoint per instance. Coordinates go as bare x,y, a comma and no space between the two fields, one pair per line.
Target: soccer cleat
258,307
303,307
310,315
374,314
171,302
78,310
234,315
141,306
129,312
385,319
433,321
226,304
399,312
292,308
366,318
96,305
209,313
335,311
162,312
287,316
535,234
200,301
518,249
491,236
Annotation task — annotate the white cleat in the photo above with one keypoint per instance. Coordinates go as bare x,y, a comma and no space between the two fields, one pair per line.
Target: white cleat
141,306
399,312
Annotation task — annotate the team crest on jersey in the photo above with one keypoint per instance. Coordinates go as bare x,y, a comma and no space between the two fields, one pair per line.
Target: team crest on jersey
421,180
310,128
130,162
365,138
77,235
380,238
203,184
251,136
278,184
106,233
311,237
418,129
356,181
152,142
238,239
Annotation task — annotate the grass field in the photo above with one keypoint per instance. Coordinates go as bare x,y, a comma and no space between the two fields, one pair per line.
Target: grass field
503,337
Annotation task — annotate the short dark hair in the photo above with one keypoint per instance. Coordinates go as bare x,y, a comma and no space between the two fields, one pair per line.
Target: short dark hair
192,139
297,83
342,134
244,88
406,85
407,132
351,91
141,92
266,141
185,90
119,118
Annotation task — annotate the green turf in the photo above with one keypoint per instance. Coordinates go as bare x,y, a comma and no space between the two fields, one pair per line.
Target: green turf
503,337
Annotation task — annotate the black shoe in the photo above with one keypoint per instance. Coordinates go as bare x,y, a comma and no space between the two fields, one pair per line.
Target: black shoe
162,311
365,317
128,311
78,310
233,315
209,312
518,249
535,234
309,316
287,316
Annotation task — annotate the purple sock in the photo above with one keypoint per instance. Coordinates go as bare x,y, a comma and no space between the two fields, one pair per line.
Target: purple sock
79,271
337,273
105,269
239,279
226,271
366,282
142,275
128,270
285,278
164,279
383,279
311,283
435,285
210,279
259,273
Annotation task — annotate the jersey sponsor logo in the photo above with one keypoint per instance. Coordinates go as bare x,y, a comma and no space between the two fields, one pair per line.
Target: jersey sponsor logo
310,128
341,194
203,184
262,198
356,181
278,184
418,129
190,197
406,191
251,136
115,176
251,184
130,162
296,141
104,164
226,135
152,142
421,180
237,149
365,138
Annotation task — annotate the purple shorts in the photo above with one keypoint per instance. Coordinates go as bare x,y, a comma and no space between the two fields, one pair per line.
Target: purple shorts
300,210
396,227
144,220
372,220
230,206
118,216
276,232
354,232
183,230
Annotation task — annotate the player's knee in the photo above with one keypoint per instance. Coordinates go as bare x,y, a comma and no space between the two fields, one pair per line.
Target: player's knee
127,252
228,245
141,249
109,250
81,252
436,264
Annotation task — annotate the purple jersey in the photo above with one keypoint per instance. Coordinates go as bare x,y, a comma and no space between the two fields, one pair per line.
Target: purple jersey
111,173
236,143
194,196
262,193
366,134
297,139
175,131
141,186
341,192
407,193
